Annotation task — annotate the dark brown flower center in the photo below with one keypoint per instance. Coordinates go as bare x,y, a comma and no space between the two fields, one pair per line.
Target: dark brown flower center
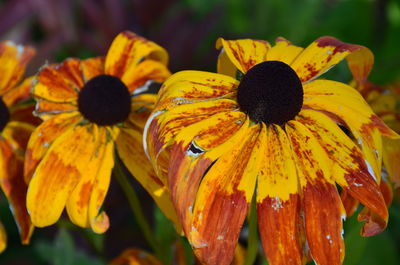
4,115
270,92
105,100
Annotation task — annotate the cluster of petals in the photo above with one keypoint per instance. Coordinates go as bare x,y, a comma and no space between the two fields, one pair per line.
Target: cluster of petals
384,101
214,158
17,124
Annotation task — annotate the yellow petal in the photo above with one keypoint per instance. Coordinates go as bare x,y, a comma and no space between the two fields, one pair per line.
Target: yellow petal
283,51
78,201
43,137
326,52
244,53
58,173
59,82
164,127
346,103
13,61
18,93
310,158
47,109
99,220
277,177
192,86
128,50
141,107
149,70
92,67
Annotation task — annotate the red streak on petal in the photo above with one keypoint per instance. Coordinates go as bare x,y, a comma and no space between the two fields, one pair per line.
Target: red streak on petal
339,46
279,225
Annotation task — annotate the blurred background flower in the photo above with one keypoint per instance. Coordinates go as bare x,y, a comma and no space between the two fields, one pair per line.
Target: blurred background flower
188,30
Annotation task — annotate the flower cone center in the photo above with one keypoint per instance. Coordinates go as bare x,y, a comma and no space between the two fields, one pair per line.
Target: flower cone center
270,92
105,100
4,115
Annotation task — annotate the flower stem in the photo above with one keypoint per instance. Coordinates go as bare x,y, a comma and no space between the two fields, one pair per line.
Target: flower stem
135,205
252,241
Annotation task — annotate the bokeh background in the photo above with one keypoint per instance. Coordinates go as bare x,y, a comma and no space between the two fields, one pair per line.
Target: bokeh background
188,29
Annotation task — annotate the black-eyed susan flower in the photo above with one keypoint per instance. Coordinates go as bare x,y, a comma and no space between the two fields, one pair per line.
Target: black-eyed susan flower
89,107
16,125
275,129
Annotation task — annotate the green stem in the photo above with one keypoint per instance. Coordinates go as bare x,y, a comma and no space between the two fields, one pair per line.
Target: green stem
135,205
252,241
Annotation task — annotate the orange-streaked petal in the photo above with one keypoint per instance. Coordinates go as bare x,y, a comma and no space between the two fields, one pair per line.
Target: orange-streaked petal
135,257
346,103
18,93
43,137
326,52
92,67
323,209
59,82
349,169
323,213
244,53
78,201
349,203
14,188
187,168
283,51
63,166
149,70
98,220
222,201
278,200
192,86
13,61
128,50
17,135
130,149
391,156
279,224
141,107
170,122
47,109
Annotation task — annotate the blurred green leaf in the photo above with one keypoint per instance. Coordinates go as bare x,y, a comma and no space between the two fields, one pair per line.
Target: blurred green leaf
165,235
63,252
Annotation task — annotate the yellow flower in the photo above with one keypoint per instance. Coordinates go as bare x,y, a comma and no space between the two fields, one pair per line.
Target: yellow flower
16,125
89,107
279,130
